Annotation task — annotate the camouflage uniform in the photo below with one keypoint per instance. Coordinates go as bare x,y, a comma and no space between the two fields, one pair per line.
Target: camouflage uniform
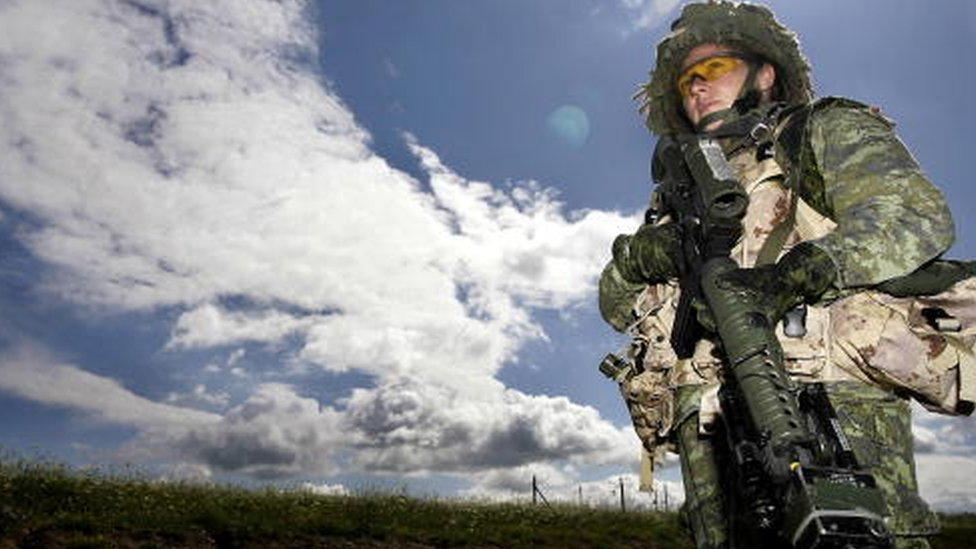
838,177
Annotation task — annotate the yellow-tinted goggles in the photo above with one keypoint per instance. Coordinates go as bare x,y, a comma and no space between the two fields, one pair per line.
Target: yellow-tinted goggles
708,69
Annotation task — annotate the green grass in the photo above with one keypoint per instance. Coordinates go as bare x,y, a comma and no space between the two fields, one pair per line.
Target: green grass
958,531
53,506
49,505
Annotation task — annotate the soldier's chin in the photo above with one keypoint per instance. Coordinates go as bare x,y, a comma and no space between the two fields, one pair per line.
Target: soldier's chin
709,110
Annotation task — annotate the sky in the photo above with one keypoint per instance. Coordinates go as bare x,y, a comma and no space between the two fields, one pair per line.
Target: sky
354,244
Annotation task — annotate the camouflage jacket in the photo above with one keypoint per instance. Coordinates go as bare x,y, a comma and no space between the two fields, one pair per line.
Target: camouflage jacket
849,165
845,182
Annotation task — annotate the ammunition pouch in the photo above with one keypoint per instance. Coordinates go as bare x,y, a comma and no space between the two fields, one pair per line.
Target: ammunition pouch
650,401
920,346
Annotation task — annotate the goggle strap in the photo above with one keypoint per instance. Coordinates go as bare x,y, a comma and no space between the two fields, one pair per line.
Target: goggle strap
749,58
749,95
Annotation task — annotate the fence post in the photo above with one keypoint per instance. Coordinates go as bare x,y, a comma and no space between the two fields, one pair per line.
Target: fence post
623,506
665,497
536,490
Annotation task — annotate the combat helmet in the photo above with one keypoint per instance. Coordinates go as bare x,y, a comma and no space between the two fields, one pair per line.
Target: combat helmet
748,27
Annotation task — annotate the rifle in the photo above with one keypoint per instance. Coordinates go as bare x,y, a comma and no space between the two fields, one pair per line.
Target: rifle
794,476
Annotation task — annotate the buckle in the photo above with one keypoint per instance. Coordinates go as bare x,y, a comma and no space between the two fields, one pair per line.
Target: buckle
760,132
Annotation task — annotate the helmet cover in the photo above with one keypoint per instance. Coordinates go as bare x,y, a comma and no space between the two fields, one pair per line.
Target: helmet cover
749,28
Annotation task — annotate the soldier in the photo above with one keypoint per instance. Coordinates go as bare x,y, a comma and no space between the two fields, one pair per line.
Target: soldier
838,207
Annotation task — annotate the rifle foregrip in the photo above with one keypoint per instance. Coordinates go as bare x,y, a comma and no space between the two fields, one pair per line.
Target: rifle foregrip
756,362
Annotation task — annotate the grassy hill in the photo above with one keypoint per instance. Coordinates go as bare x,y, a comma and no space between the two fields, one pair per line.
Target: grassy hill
52,506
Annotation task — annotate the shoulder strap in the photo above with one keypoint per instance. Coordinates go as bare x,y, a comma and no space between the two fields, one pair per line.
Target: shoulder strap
791,133
791,136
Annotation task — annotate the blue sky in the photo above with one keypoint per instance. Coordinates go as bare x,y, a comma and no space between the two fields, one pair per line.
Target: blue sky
355,243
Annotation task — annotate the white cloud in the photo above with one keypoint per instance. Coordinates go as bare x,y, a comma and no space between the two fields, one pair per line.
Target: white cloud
182,154
946,482
209,325
187,472
606,492
200,395
412,426
31,372
179,153
563,485
235,357
274,433
648,13
325,489
940,434
515,483
943,450
235,174
521,243
924,439
391,69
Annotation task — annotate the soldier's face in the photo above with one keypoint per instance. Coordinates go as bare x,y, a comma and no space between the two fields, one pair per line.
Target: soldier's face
707,96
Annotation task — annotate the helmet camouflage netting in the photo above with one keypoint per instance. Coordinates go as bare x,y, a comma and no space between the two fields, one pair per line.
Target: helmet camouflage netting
747,27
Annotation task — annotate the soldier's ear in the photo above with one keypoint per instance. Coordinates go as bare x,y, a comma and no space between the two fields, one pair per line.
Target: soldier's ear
765,79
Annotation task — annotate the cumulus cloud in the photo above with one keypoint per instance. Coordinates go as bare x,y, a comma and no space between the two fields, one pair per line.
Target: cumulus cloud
409,426
946,481
940,434
521,243
274,433
943,448
186,155
210,325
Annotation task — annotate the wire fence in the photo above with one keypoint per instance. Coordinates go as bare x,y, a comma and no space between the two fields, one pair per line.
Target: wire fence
659,498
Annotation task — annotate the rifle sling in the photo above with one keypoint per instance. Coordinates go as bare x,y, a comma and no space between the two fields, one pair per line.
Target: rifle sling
776,241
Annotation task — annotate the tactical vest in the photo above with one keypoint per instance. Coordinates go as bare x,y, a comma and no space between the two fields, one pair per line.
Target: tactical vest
806,358
866,336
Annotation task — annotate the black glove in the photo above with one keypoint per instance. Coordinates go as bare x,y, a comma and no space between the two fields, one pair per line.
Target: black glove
800,276
650,255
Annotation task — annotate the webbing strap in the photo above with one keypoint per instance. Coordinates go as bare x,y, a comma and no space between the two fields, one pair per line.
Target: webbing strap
774,243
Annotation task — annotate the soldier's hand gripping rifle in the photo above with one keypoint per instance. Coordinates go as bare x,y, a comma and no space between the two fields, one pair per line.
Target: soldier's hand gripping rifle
793,477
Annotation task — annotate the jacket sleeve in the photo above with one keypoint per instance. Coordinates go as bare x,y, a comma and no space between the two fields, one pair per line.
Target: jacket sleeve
890,218
618,298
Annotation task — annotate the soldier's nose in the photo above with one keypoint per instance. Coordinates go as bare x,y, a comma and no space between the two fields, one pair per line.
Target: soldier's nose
698,86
